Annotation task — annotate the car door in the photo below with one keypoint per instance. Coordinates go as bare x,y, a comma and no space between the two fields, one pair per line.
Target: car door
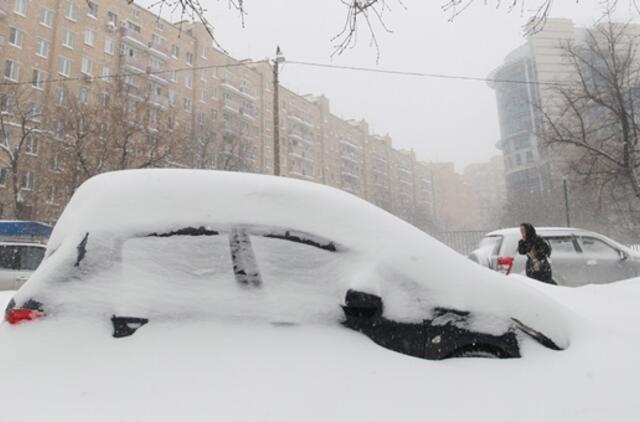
603,262
566,260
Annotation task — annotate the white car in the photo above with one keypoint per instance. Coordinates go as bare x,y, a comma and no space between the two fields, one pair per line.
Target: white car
172,295
578,256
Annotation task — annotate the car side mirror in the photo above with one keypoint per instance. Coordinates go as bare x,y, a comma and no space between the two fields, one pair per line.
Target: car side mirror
362,305
623,255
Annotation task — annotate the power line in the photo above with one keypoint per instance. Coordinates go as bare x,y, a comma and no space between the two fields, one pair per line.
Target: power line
141,73
426,75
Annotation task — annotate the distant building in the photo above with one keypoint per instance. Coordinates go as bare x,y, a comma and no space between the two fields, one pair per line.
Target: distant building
528,171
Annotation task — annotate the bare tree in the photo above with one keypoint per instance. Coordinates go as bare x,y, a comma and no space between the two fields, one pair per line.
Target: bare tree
21,128
592,123
119,127
370,14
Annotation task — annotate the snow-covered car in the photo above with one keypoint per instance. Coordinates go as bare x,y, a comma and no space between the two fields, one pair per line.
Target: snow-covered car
246,297
578,256
147,246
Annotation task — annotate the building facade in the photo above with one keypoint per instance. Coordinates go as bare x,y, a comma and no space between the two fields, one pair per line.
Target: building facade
522,87
219,110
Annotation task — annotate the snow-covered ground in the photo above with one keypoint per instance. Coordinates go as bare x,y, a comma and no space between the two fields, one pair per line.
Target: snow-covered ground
71,370
217,350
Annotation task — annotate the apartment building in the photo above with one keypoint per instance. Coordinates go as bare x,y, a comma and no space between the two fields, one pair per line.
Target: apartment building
95,50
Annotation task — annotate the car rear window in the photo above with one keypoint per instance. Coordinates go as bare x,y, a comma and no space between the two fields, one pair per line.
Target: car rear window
490,243
20,257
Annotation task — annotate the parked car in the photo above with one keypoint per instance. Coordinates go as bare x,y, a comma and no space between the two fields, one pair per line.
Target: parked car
578,257
22,248
147,246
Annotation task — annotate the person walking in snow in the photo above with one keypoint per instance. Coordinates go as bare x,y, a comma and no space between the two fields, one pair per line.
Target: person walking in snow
537,251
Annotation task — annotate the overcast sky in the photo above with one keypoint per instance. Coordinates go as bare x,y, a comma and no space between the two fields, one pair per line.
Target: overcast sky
442,120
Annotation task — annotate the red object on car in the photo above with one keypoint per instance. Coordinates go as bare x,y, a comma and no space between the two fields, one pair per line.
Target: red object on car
15,316
505,263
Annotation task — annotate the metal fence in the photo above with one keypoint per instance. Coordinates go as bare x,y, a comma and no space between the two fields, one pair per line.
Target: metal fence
461,241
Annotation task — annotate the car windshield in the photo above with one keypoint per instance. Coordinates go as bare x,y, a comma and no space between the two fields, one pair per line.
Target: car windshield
20,257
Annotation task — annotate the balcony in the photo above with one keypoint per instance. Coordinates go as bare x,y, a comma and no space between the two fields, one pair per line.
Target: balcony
159,50
131,35
158,75
137,64
4,8
159,100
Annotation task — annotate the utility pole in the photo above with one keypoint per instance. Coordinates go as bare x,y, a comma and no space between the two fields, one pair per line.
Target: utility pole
276,111
566,201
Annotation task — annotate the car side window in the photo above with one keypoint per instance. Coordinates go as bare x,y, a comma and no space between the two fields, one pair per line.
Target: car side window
596,248
561,245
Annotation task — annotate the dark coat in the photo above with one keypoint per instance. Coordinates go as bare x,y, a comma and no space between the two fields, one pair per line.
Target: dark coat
538,252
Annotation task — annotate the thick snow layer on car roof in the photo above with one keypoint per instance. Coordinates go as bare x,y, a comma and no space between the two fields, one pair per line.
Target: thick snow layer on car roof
386,256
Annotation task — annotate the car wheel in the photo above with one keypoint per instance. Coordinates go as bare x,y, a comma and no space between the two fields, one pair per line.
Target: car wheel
478,351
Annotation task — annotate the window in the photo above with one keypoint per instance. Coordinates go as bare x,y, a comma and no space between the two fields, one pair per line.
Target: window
187,105
56,165
11,70
108,45
59,130
87,66
106,71
64,66
156,64
173,76
15,37
31,145
26,181
133,27
46,17
68,38
135,12
157,40
189,58
188,82
172,98
112,18
42,48
70,11
51,194
7,103
203,52
529,156
90,37
84,95
175,51
596,248
3,176
203,94
159,25
561,245
105,100
5,137
203,74
38,78
93,10
21,7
